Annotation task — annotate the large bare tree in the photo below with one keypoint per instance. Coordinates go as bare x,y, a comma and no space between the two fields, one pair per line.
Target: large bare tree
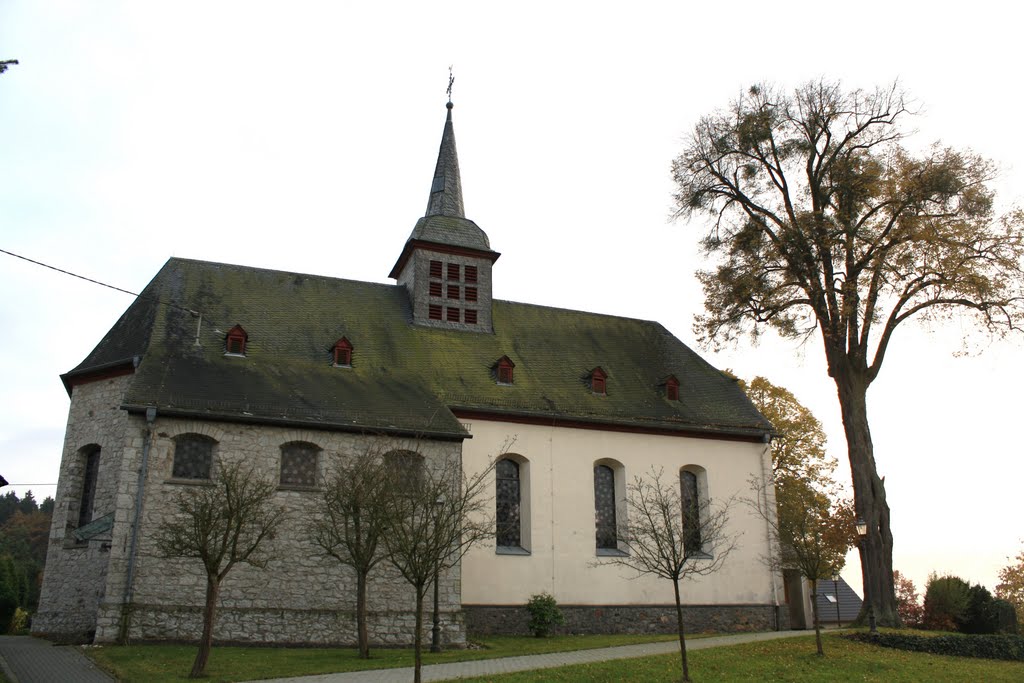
822,220
222,526
673,534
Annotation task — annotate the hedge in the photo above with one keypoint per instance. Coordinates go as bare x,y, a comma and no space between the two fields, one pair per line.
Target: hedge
987,646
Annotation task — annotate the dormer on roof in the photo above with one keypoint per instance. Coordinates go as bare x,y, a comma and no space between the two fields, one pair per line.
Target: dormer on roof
599,381
235,341
671,385
446,263
343,353
503,369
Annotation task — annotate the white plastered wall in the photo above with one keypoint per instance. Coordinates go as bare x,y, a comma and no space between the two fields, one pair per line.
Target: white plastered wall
560,502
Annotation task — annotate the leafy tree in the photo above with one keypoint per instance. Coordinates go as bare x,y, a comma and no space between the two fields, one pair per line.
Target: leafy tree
658,538
946,602
24,538
46,506
433,518
908,602
821,219
812,526
352,524
8,592
1011,585
9,504
221,526
28,504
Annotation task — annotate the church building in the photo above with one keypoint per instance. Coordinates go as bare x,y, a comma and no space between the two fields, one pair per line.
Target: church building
294,372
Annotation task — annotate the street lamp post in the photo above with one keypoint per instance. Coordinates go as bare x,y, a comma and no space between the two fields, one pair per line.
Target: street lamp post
862,532
835,587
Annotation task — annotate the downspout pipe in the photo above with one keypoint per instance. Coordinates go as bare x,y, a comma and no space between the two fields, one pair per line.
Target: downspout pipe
129,588
766,472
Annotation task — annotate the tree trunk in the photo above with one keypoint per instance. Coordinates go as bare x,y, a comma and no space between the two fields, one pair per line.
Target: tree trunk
206,641
362,634
418,646
817,618
682,632
869,500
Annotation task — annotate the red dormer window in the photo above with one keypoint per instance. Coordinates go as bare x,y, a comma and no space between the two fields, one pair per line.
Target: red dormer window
343,353
504,368
672,388
234,344
599,381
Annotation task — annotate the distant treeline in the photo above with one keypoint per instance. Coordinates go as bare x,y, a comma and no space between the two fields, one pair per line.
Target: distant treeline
24,535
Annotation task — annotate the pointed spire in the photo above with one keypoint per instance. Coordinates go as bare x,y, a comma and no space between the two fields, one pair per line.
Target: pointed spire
446,189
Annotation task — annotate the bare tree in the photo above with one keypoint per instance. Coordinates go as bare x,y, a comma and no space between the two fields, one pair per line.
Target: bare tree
812,530
672,535
822,220
352,524
433,518
221,525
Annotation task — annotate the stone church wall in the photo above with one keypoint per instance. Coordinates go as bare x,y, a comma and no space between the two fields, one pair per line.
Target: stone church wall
301,596
75,576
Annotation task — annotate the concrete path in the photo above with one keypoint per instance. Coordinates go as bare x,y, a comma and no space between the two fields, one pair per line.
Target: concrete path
31,660
493,667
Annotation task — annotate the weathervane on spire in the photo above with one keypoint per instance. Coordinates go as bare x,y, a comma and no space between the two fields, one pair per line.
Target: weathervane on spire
451,79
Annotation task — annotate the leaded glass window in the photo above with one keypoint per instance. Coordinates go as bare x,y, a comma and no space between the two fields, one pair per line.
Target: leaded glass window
604,507
691,513
193,457
407,469
91,473
509,532
298,464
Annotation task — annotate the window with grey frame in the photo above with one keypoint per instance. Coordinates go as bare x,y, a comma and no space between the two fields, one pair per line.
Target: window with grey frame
298,464
692,541
90,474
508,500
193,457
604,508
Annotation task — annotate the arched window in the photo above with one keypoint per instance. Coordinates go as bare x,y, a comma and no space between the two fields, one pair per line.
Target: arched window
504,369
509,504
604,508
91,468
691,513
672,388
193,457
599,381
407,469
298,464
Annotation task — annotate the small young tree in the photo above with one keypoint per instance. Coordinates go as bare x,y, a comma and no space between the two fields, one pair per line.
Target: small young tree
908,602
221,526
673,537
352,524
812,530
433,517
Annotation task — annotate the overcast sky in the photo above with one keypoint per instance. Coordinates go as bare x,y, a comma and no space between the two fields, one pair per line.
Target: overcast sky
302,136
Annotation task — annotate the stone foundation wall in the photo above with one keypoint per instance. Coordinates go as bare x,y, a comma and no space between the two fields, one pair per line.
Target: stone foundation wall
484,620
290,626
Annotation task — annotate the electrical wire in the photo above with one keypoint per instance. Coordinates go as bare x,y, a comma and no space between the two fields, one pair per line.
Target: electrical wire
102,284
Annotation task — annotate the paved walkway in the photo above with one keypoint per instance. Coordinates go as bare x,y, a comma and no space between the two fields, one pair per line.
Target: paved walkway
31,660
491,667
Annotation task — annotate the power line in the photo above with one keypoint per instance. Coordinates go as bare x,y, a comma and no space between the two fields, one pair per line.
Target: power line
102,284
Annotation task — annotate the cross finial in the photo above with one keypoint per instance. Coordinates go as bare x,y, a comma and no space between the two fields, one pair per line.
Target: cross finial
451,80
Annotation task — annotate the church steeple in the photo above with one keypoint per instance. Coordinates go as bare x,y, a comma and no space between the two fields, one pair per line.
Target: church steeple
446,189
446,263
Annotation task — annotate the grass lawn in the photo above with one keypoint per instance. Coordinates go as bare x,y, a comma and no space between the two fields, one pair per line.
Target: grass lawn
158,663
790,660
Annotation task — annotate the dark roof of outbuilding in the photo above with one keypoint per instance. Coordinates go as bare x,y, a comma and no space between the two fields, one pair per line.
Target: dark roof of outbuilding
848,601
404,377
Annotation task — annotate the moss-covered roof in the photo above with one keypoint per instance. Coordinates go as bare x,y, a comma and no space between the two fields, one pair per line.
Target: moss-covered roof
403,377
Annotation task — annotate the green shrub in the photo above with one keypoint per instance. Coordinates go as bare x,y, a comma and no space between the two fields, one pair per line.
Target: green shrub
988,646
947,600
544,614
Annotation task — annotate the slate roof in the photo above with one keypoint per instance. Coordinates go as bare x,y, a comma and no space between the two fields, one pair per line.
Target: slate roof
849,602
404,378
